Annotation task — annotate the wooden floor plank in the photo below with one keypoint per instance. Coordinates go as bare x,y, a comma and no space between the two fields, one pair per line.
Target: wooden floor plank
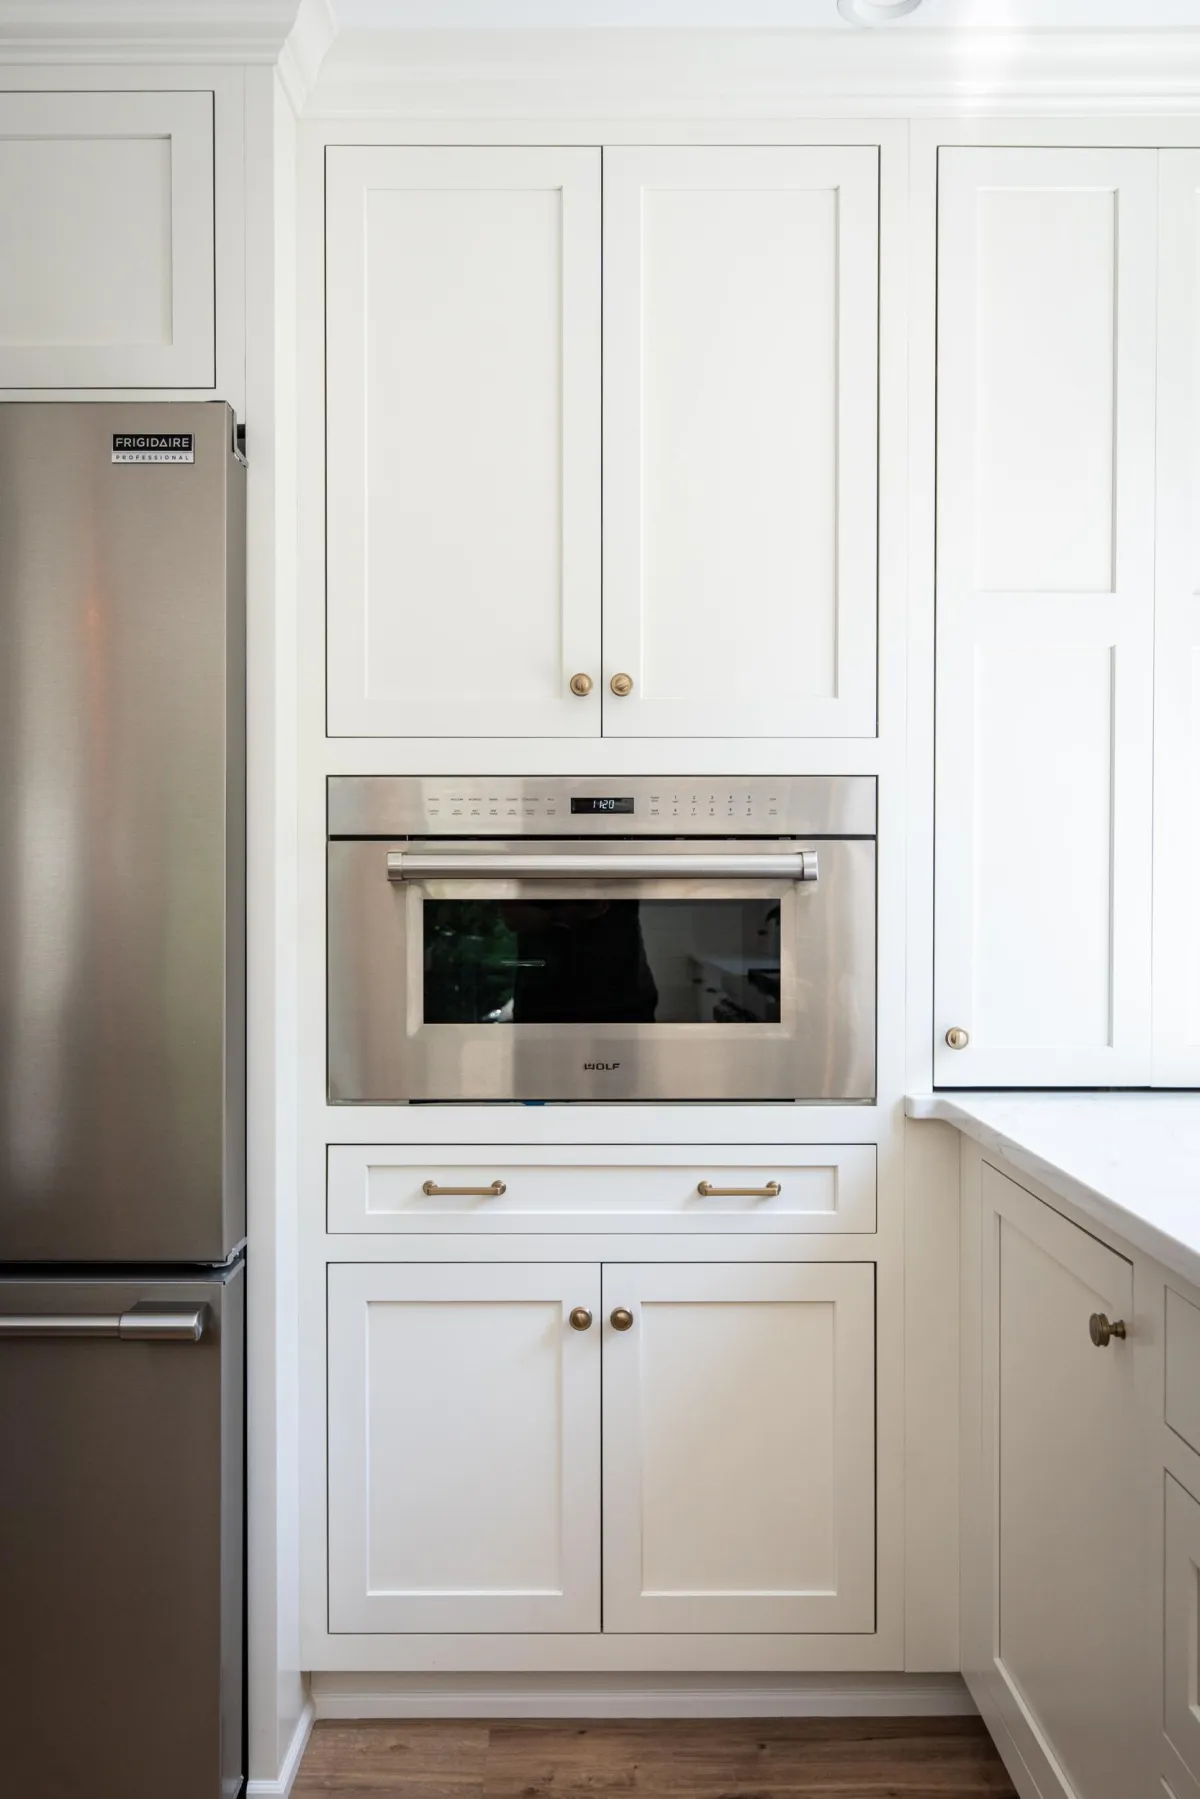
704,1758
383,1760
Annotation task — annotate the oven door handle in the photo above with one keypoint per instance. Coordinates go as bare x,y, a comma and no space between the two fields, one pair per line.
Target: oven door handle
420,865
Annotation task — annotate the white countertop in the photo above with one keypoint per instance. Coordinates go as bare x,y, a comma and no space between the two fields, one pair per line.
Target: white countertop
1130,1161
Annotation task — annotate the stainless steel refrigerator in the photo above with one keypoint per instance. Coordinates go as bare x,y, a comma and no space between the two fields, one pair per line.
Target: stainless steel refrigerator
122,1113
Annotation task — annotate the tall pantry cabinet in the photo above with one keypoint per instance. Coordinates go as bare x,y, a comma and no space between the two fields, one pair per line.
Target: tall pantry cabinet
1066,577
602,441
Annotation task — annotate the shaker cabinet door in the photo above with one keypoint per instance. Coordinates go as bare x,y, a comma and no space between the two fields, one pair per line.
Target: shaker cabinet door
740,442
464,1448
106,217
1045,615
1057,1651
1177,630
463,441
739,1433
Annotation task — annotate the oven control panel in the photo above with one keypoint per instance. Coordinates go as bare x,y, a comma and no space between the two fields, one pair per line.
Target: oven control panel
591,806
671,803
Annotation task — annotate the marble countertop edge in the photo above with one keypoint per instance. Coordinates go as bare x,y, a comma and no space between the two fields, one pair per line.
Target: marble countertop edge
1130,1162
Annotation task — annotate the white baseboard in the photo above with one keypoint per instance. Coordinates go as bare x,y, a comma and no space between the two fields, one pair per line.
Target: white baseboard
281,1786
639,1696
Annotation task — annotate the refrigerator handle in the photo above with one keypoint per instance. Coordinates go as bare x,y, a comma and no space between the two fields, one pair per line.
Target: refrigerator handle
149,1321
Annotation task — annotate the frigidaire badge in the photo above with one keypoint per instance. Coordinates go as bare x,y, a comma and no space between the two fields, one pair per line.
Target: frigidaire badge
153,446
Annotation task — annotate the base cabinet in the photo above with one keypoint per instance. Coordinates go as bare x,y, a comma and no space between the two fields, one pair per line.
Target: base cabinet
739,1441
467,1436
1181,1638
1056,1580
464,1455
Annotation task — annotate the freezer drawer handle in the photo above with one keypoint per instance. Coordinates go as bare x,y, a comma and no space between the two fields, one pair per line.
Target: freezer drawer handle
420,865
147,1322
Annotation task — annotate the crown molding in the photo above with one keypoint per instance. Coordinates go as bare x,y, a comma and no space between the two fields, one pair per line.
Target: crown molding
305,49
142,31
631,74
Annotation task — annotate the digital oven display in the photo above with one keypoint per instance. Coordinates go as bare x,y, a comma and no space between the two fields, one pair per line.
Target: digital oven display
622,804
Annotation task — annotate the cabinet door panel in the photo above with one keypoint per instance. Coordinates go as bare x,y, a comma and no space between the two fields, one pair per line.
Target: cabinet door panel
463,441
1045,576
1059,1438
1177,630
739,1448
740,382
464,1467
106,216
1181,1636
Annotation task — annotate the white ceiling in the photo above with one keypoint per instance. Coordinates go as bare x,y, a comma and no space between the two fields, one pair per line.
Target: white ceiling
759,14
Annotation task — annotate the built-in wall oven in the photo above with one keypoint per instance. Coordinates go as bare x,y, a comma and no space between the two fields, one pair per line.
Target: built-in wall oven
639,938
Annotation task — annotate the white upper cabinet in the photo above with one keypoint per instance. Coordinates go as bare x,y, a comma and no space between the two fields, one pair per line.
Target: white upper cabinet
463,380
1045,614
106,218
463,441
1177,630
740,383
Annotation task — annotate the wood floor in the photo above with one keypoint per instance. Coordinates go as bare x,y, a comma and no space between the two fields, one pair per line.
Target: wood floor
753,1758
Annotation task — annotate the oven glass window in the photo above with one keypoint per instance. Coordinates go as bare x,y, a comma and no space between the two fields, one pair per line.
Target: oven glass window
602,961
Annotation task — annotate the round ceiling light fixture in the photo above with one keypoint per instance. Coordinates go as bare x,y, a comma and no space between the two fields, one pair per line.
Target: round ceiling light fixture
876,12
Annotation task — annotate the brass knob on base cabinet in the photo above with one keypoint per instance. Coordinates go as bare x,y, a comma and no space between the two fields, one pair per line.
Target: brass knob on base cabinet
1102,1332
957,1038
621,1320
622,685
580,1319
581,685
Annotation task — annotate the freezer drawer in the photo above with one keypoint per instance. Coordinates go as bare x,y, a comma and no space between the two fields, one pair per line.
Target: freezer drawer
121,1537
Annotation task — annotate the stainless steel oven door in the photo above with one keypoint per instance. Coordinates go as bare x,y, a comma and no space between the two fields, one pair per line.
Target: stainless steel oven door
601,971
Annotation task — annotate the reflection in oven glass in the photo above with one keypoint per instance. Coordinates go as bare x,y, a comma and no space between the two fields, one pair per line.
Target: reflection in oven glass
601,961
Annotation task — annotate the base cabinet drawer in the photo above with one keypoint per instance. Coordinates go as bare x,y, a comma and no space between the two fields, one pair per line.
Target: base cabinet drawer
1182,1395
826,1187
469,1447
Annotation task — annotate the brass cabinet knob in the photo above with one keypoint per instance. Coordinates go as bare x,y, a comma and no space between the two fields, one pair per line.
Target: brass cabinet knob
621,1320
581,685
580,1319
1102,1332
621,686
957,1038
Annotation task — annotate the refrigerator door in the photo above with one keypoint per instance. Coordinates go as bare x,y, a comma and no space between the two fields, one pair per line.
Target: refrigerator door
121,1535
122,835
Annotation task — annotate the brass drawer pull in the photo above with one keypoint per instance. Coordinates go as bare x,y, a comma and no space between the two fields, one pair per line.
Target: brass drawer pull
436,1192
580,1319
1102,1332
772,1190
621,1319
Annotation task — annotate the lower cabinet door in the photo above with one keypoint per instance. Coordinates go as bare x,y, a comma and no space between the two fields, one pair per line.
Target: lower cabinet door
1059,1445
1181,1638
464,1448
739,1447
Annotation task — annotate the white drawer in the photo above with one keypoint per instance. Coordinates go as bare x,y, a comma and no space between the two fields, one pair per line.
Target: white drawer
821,1187
1183,1369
